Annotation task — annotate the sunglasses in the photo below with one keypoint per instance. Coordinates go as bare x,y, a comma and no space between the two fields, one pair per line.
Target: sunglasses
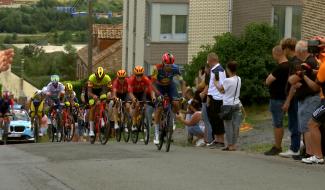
138,76
121,78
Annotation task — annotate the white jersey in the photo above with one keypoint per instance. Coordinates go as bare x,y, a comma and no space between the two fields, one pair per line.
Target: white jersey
55,92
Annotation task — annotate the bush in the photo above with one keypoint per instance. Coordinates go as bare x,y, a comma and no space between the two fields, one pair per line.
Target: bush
252,51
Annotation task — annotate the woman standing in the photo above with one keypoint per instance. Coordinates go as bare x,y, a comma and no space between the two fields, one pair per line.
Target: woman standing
231,90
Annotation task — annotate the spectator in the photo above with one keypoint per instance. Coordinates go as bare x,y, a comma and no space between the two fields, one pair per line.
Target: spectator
194,122
189,95
215,98
231,89
200,78
291,104
306,92
44,125
317,121
203,97
6,57
277,82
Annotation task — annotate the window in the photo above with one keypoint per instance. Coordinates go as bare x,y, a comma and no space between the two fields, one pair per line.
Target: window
181,22
287,21
166,24
169,22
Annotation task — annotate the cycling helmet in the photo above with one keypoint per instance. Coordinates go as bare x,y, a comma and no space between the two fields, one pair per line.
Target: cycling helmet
138,70
168,59
55,78
121,74
100,73
69,87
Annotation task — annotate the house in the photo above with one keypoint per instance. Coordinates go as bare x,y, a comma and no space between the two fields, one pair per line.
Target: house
152,27
107,50
285,15
313,18
6,2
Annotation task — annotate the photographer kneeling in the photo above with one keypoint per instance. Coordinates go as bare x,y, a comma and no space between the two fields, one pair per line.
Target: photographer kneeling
194,123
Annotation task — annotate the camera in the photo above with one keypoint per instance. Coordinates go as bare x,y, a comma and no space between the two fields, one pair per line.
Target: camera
313,46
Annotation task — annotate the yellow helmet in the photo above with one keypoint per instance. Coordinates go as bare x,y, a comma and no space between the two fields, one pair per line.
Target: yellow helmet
100,73
69,87
138,70
121,74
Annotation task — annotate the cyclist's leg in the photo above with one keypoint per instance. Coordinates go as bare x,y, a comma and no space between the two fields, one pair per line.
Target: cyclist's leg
157,117
91,117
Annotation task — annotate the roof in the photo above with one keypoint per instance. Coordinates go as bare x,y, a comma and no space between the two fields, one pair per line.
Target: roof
98,57
97,27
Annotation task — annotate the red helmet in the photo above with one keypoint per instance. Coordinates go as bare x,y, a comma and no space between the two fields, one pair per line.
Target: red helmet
5,95
168,58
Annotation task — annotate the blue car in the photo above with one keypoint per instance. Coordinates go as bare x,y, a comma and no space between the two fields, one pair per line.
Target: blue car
20,126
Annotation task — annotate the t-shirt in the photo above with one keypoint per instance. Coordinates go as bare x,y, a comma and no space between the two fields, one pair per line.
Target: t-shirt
278,87
321,78
305,91
230,85
221,74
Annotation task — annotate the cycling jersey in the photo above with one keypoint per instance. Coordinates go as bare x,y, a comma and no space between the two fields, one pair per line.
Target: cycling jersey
96,84
5,105
70,96
36,105
136,86
163,77
120,88
55,92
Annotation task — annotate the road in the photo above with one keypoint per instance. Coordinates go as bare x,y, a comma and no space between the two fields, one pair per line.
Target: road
127,166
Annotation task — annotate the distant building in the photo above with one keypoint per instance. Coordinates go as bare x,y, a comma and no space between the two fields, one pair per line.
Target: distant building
64,9
152,27
107,50
313,18
6,2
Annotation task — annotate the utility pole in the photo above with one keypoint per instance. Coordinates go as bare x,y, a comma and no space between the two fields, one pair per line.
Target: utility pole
21,77
90,36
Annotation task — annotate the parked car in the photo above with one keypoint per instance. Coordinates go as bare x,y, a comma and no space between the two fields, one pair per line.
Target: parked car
20,126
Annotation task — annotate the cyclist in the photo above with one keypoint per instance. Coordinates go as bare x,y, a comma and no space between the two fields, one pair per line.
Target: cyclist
5,104
139,87
99,83
120,91
163,75
54,90
71,100
36,106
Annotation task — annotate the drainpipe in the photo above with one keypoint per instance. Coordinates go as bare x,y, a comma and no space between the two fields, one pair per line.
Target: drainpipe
230,6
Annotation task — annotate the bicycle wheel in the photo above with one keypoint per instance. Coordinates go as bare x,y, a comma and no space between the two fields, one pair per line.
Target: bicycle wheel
146,131
104,132
118,132
92,139
127,128
5,133
36,129
162,131
135,135
69,129
59,130
169,131
53,130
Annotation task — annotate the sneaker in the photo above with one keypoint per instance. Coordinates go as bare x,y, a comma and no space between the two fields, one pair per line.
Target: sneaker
289,153
200,143
273,151
156,140
313,160
91,133
301,156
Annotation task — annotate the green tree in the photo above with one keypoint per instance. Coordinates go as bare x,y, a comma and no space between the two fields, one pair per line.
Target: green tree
252,51
65,37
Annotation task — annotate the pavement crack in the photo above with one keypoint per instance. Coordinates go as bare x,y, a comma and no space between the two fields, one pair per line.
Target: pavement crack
55,178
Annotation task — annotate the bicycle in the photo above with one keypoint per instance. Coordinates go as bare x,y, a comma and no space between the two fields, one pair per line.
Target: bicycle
141,125
4,127
68,123
165,124
124,122
56,128
36,126
101,122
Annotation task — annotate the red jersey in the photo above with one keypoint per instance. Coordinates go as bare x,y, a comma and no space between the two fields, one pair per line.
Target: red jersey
139,86
120,88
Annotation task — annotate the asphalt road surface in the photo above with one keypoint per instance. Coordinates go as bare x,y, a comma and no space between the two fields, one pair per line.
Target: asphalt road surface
123,166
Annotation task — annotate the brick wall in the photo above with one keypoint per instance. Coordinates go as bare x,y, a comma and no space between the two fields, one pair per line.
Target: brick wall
248,11
154,52
313,18
207,19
